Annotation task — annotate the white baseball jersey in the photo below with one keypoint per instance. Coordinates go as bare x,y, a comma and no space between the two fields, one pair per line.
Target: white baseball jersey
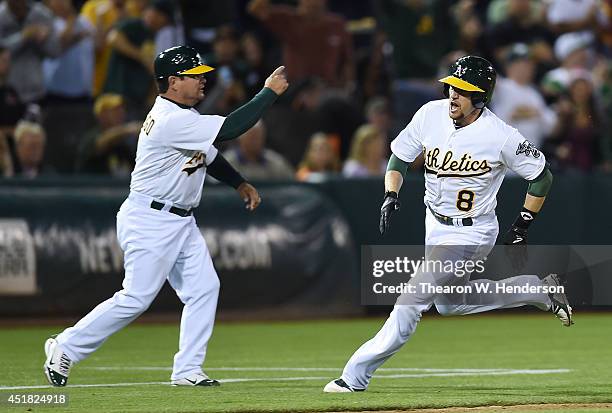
465,167
174,148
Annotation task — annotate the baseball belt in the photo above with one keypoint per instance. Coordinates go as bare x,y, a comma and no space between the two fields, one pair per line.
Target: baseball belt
443,219
173,210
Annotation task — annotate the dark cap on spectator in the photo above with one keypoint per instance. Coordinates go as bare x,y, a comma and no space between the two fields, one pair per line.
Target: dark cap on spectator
165,7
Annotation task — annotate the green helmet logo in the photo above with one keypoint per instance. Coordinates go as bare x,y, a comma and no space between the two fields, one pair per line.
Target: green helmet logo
474,74
179,60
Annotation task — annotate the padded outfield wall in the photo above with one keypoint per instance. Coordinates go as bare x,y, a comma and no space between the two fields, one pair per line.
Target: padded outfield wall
299,252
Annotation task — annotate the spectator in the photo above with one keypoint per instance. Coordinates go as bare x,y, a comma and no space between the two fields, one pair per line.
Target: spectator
254,161
308,32
574,52
522,24
11,108
70,75
374,68
603,78
103,15
130,66
202,18
320,160
378,114
580,131
367,156
257,69
6,164
565,16
300,118
605,29
516,100
110,147
497,11
421,33
30,140
226,90
26,29
171,35
471,28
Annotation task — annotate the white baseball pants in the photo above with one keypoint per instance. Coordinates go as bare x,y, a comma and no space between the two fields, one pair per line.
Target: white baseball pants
472,242
158,246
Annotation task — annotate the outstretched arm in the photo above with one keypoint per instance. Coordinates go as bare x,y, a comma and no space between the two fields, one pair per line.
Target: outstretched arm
394,178
243,118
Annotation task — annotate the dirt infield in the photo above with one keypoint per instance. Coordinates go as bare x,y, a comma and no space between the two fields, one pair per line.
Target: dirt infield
490,409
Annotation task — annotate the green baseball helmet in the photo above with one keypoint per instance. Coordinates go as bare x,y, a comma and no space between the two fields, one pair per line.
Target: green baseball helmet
474,74
179,60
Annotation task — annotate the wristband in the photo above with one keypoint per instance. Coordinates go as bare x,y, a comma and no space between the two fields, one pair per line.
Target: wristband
524,219
391,194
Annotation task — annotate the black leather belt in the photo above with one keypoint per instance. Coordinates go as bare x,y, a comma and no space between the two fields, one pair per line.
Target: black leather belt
174,210
443,219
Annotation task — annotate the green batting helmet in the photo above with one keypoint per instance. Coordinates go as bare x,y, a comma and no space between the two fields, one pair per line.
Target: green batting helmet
179,60
474,74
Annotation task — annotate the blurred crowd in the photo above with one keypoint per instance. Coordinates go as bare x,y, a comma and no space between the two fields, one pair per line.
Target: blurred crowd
76,77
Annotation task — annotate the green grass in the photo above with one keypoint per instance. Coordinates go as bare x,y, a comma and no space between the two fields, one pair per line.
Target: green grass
490,342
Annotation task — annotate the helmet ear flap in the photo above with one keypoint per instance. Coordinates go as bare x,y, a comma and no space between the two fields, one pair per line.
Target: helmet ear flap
479,100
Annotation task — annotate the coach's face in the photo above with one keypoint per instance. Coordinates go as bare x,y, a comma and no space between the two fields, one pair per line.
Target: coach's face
190,88
460,105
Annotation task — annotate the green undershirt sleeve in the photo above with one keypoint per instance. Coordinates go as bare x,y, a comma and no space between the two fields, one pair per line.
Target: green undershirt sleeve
540,186
247,115
396,164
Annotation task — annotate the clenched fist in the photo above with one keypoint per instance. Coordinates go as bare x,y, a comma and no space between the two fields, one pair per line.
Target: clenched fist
277,81
389,206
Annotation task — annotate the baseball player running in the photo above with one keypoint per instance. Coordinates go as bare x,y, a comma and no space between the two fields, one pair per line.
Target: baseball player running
467,150
155,225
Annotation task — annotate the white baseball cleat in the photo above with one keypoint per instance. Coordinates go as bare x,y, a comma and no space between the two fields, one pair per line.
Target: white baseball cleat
58,364
559,304
339,386
196,379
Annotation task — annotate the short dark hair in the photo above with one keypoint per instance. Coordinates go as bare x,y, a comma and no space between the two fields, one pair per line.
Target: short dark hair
162,85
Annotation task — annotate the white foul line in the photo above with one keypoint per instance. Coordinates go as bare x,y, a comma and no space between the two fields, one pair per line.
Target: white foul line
429,370
443,373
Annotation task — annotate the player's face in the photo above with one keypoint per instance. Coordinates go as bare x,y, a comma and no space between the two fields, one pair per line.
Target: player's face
460,104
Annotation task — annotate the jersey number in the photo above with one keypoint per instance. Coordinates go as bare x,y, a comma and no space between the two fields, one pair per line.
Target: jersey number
465,200
148,125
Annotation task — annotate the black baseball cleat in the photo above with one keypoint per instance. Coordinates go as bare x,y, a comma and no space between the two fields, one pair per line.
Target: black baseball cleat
58,364
196,379
339,386
559,304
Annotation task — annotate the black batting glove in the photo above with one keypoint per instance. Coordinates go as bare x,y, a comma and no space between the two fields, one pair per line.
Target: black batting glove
516,247
390,205
515,236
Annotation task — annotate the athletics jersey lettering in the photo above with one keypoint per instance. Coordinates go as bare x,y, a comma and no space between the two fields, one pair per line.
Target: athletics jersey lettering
465,166
450,167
